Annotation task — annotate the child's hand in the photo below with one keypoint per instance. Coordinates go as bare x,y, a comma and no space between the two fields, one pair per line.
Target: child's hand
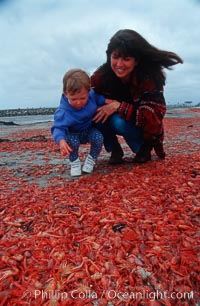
64,147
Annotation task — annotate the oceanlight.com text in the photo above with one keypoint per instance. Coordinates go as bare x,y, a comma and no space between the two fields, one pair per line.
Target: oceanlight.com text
111,295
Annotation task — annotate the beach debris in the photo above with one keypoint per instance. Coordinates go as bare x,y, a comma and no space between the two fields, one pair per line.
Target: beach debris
126,235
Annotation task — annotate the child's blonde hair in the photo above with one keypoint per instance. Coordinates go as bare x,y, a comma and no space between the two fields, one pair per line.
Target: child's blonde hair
74,80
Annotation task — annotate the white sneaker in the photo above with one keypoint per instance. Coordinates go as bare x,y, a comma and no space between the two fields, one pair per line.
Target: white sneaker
89,164
75,167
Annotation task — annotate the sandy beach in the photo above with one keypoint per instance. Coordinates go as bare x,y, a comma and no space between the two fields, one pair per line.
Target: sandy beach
123,228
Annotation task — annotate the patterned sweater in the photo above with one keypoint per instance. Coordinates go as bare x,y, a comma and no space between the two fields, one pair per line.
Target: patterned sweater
144,104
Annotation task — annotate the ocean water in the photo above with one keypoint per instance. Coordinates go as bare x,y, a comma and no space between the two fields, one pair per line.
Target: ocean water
21,120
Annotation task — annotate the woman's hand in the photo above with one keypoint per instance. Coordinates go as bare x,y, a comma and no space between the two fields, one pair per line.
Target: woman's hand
105,111
64,147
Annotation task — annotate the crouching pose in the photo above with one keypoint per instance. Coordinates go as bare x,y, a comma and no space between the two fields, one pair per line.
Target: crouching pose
134,75
73,121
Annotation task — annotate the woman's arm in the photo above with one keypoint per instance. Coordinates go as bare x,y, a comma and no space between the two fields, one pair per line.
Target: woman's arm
107,110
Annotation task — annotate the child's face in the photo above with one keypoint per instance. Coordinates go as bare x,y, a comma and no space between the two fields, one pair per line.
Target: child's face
79,99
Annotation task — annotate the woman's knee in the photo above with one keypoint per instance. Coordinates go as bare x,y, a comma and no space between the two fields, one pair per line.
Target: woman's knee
118,124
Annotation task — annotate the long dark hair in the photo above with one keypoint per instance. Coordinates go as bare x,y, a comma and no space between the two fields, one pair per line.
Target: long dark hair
151,60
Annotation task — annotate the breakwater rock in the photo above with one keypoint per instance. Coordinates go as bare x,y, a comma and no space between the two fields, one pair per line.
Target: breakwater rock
27,111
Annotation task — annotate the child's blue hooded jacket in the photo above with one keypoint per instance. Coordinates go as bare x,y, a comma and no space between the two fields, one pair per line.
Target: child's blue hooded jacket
69,119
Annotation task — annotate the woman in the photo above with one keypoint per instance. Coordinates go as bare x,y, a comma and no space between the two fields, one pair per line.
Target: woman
133,75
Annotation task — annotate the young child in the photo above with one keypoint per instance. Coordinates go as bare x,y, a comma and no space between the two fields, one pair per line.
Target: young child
73,120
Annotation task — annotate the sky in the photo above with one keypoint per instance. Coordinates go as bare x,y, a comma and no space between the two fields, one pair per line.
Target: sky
42,39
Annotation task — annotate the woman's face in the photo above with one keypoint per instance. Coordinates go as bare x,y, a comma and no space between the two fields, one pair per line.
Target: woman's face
122,66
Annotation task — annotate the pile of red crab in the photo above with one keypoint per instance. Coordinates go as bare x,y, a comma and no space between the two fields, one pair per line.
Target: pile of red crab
124,235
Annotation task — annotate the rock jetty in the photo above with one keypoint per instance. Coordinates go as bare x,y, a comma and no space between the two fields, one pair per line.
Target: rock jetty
27,111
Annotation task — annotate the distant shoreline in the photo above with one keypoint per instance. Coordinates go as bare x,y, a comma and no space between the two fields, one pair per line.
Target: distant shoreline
27,111
51,110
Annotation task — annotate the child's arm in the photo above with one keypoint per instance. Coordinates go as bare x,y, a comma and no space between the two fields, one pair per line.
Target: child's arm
59,131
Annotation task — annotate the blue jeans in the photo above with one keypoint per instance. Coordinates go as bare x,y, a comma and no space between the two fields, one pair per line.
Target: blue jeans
116,125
